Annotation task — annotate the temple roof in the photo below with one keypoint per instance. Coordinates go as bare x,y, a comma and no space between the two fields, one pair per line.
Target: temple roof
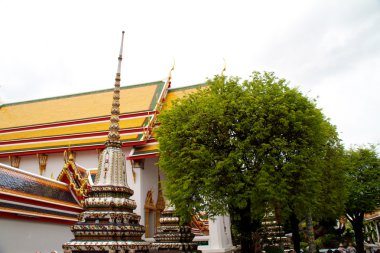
177,93
135,98
26,195
81,121
151,147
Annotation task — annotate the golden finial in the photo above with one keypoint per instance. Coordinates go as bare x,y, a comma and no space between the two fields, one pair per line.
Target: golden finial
71,156
224,67
65,156
113,134
170,72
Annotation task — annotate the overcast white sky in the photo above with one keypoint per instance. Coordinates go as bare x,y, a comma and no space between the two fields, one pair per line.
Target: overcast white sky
329,49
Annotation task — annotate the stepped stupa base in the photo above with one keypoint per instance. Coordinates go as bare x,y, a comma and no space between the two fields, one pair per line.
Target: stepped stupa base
174,247
105,247
171,237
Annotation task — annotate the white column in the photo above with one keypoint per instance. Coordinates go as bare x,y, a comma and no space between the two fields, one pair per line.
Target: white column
220,235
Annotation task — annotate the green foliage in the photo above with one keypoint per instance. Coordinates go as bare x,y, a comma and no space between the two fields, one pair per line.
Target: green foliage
243,145
363,172
363,175
304,246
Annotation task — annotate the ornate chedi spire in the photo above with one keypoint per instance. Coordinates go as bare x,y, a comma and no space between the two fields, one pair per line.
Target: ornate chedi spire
112,155
108,223
113,134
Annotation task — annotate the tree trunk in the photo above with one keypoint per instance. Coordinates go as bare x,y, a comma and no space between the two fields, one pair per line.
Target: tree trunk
310,233
294,222
357,225
245,228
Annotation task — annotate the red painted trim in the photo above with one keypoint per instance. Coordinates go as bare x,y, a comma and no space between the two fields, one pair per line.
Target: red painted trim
152,141
36,202
36,219
74,122
52,150
138,157
80,148
71,136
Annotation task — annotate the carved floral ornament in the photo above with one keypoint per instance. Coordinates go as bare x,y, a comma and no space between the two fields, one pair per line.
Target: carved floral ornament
15,161
42,161
78,183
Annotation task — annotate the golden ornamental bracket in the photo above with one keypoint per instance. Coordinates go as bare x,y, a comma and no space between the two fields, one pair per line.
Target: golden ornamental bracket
42,161
15,161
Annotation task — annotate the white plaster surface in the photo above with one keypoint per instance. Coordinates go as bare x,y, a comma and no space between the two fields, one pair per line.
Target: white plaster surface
30,163
149,179
5,160
87,159
19,236
220,235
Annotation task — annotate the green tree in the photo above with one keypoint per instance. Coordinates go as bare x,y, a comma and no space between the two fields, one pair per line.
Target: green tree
238,146
363,174
331,200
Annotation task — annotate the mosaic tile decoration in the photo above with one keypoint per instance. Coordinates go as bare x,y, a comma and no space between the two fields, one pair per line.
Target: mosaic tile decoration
30,185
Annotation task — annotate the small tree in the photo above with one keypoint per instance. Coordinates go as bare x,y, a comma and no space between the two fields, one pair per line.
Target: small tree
236,147
363,174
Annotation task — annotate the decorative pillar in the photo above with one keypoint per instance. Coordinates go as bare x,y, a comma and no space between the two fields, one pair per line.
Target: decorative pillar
42,161
149,208
147,235
220,235
160,204
15,161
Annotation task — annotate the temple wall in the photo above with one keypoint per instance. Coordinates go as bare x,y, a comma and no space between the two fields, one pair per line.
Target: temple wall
30,163
149,179
54,165
5,160
87,159
28,237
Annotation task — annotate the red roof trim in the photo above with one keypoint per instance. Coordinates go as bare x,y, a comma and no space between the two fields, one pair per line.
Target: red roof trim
74,122
39,203
71,136
138,157
37,219
73,148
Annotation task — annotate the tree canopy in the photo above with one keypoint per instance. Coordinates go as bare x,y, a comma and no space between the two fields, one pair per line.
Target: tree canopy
236,146
363,177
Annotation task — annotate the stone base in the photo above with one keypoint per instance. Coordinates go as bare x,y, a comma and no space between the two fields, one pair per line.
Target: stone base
206,249
106,247
173,251
175,246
